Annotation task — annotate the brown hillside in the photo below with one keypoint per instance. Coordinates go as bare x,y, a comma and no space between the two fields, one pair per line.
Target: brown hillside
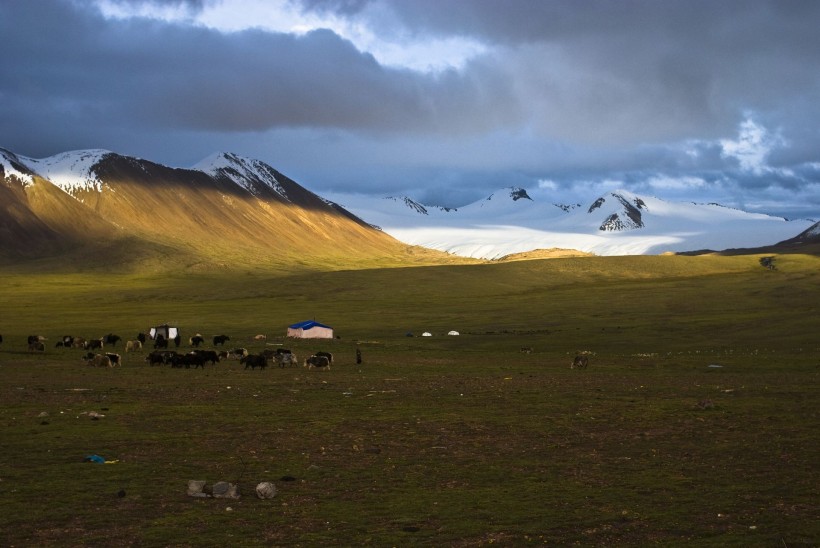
148,214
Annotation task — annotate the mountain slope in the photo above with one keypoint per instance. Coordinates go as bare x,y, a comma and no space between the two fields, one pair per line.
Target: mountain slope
228,211
512,221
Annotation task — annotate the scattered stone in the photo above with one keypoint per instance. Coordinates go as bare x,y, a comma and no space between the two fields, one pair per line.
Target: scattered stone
225,490
196,488
266,490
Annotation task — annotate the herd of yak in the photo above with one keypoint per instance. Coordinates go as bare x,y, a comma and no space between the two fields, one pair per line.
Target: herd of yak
161,355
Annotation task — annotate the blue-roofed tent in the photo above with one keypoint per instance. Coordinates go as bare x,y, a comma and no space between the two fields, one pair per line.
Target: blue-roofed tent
310,329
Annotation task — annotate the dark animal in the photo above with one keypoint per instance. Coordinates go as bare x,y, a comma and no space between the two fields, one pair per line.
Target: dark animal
237,353
317,362
68,341
177,340
580,361
1,338
111,339
160,342
115,358
161,357
79,342
283,351
155,358
95,344
36,347
220,340
142,337
99,360
187,360
35,339
254,360
327,355
284,359
196,340
208,355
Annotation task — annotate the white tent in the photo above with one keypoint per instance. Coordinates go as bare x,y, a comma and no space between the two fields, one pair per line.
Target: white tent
310,329
453,333
168,333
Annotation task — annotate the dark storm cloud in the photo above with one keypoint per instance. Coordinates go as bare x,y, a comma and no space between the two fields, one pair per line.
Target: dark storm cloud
72,64
604,71
577,93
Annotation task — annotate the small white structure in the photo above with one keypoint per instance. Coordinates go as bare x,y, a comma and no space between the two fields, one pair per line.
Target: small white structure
454,333
310,329
168,332
426,334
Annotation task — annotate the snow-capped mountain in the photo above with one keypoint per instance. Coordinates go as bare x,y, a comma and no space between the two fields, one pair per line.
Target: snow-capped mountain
618,223
224,209
230,201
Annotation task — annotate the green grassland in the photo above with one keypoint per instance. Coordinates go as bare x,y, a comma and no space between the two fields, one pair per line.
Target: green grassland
696,422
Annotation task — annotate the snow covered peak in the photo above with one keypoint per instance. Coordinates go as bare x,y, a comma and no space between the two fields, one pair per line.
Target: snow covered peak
617,223
71,171
623,210
411,204
12,167
245,172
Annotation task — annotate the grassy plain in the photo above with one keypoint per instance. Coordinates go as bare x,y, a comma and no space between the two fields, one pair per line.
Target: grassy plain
696,422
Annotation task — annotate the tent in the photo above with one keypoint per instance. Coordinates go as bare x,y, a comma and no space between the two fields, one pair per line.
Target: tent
310,329
168,332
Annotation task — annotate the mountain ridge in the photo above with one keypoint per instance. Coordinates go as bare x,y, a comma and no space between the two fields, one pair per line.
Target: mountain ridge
513,221
240,212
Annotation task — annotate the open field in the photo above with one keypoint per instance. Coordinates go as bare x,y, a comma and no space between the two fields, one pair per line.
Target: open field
439,441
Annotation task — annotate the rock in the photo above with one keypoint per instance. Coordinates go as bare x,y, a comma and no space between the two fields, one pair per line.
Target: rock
266,490
196,488
225,490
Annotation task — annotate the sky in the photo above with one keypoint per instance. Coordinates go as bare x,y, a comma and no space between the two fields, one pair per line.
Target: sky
445,101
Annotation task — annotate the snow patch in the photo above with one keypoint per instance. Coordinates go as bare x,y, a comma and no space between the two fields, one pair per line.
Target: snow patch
245,172
70,171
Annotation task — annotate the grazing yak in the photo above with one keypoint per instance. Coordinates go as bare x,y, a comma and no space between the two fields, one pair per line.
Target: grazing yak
160,342
196,340
160,357
288,359
111,339
281,356
219,340
98,360
95,344
142,337
237,353
581,361
208,355
317,362
254,360
36,347
327,355
133,346
187,360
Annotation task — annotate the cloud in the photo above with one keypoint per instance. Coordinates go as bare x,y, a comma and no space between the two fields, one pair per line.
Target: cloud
447,99
752,147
